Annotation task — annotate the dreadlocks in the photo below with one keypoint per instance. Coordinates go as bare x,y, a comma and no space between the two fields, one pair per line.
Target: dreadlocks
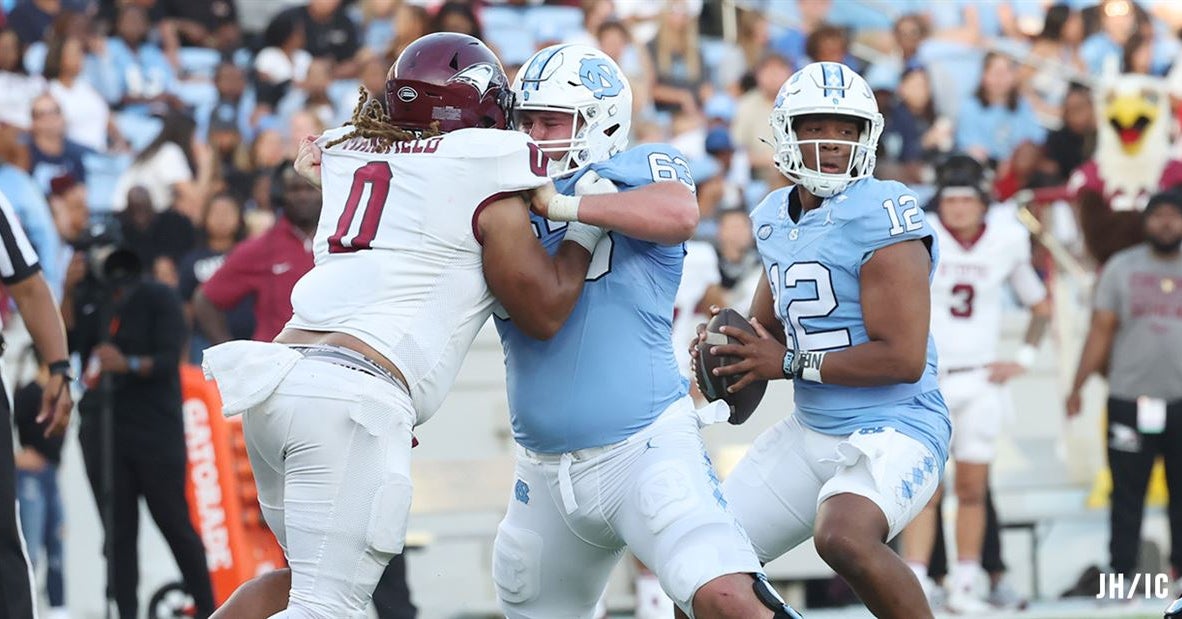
371,122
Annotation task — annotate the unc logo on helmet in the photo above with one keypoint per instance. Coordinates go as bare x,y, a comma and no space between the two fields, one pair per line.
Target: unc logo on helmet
601,78
587,84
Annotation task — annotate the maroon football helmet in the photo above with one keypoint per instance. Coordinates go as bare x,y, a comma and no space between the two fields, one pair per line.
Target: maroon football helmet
449,78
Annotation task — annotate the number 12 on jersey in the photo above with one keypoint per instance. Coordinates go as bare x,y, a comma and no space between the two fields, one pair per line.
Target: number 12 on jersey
377,176
912,218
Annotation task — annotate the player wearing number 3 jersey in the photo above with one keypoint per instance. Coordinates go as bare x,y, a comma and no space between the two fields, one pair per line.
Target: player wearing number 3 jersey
843,312
422,224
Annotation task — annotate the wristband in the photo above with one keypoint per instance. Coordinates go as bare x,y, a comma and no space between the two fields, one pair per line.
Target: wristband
563,208
587,236
1026,356
809,364
62,368
789,363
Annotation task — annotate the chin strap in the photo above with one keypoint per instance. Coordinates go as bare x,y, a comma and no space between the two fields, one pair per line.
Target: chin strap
768,596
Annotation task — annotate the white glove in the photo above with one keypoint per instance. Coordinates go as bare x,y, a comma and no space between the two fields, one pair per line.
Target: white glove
591,184
584,234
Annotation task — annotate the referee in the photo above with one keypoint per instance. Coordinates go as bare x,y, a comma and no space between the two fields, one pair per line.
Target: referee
21,275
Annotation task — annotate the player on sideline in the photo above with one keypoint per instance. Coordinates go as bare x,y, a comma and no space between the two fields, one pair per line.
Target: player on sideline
848,259
983,249
422,224
609,450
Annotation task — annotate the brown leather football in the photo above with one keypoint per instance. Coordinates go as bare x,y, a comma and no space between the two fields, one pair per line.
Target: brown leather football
713,387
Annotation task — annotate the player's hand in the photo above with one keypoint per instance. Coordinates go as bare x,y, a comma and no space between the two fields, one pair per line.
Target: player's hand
592,184
539,200
307,162
1073,404
111,359
700,336
1000,372
56,404
762,356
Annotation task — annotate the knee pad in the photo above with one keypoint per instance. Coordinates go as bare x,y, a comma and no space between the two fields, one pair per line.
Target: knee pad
388,515
768,596
517,555
664,494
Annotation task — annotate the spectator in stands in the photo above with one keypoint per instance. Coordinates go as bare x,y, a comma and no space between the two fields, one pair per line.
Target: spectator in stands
595,14
283,62
1053,62
738,261
376,22
735,171
908,33
680,70
829,43
31,18
750,129
411,22
996,118
915,135
200,24
1118,23
707,175
164,162
314,97
1137,56
457,17
29,206
51,153
235,102
1074,142
1135,336
1024,169
85,110
135,70
616,41
17,87
71,216
301,124
330,33
222,228
791,43
373,78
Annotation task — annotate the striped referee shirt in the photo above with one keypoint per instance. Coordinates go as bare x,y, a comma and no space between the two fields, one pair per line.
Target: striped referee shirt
18,260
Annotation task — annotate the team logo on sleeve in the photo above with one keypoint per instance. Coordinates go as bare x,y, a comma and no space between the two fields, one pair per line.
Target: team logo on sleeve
765,231
600,78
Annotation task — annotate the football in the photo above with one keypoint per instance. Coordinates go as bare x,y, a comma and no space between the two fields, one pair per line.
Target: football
713,387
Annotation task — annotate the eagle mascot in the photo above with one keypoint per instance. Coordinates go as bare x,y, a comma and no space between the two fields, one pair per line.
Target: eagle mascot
1132,161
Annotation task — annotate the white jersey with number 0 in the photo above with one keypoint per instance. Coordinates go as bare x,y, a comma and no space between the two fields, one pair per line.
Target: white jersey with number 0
397,250
968,285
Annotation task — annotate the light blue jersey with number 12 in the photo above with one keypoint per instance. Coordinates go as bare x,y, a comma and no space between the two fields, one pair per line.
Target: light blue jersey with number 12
610,370
814,267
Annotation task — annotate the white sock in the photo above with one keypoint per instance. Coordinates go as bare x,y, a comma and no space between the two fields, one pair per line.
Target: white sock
920,570
964,575
651,601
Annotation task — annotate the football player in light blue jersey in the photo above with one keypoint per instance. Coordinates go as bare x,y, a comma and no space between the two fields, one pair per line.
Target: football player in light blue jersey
849,260
609,450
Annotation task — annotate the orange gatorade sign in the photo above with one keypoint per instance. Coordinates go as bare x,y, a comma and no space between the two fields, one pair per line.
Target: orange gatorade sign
223,501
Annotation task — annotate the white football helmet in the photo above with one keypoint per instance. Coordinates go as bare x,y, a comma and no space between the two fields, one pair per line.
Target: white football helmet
586,83
829,88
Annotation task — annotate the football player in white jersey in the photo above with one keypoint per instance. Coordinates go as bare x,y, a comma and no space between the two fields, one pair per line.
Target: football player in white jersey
423,223
983,251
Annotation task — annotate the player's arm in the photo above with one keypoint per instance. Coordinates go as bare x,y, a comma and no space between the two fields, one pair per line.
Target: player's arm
896,309
538,291
226,288
763,309
663,212
1095,353
1031,292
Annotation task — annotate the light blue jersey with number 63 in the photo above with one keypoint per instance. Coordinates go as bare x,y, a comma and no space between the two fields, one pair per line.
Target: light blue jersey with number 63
610,370
814,267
